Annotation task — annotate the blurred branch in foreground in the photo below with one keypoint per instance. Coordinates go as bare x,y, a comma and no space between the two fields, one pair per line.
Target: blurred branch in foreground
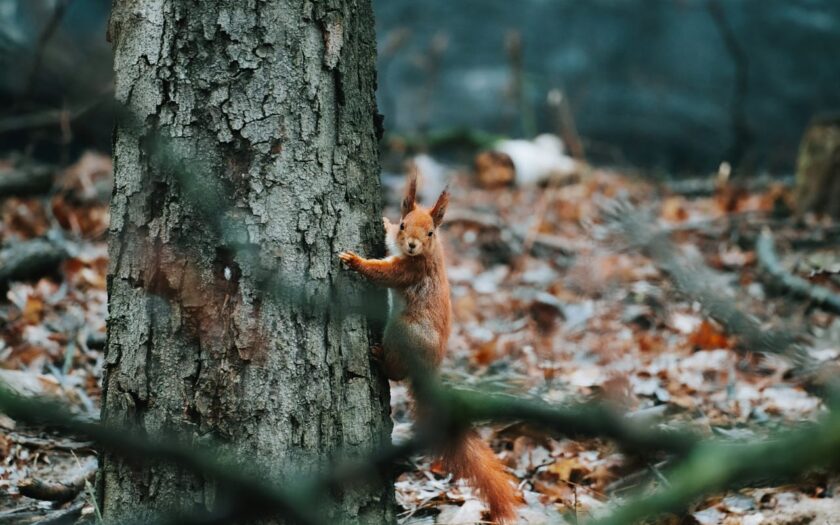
714,467
134,445
710,465
585,420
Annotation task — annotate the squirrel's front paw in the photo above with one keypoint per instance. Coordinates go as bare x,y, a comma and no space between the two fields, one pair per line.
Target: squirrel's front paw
377,352
350,259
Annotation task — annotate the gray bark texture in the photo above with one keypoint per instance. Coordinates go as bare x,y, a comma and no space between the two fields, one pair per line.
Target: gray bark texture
267,108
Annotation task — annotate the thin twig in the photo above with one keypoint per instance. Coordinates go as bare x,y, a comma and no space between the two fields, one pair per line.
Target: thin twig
44,38
741,133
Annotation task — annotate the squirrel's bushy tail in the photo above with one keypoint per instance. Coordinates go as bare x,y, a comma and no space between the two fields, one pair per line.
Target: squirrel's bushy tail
469,457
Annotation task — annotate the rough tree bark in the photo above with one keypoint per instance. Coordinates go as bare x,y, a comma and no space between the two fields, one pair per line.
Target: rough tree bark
818,168
270,106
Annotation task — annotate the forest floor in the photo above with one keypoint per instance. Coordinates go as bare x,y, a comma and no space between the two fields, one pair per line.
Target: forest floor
548,301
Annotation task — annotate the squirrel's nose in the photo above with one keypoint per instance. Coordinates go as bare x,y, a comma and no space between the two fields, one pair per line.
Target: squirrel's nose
412,245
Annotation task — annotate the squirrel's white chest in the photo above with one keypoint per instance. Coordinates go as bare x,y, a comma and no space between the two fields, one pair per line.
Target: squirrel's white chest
396,298
396,304
391,245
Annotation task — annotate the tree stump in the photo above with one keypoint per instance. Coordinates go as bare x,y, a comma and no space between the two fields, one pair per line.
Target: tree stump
818,169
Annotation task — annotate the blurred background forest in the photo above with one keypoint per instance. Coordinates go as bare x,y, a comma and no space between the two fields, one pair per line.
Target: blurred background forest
645,197
670,85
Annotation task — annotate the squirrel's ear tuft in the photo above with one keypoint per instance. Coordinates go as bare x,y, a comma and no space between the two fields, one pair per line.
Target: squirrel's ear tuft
440,208
409,201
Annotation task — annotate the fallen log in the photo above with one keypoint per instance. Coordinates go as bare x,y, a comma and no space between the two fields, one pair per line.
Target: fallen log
768,260
29,259
22,180
59,491
29,384
68,516
708,186
51,443
514,237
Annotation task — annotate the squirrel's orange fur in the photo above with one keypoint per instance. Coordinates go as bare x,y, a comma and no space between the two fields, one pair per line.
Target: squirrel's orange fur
419,323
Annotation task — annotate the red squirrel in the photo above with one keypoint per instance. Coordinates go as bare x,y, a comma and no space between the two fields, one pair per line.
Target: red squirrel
419,323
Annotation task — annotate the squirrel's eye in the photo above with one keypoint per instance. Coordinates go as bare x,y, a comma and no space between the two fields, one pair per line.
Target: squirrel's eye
430,233
402,226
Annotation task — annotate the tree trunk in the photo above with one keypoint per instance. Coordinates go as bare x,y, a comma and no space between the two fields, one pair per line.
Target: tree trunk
818,169
247,141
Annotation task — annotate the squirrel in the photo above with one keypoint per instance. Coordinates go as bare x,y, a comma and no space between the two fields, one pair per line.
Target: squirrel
419,323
